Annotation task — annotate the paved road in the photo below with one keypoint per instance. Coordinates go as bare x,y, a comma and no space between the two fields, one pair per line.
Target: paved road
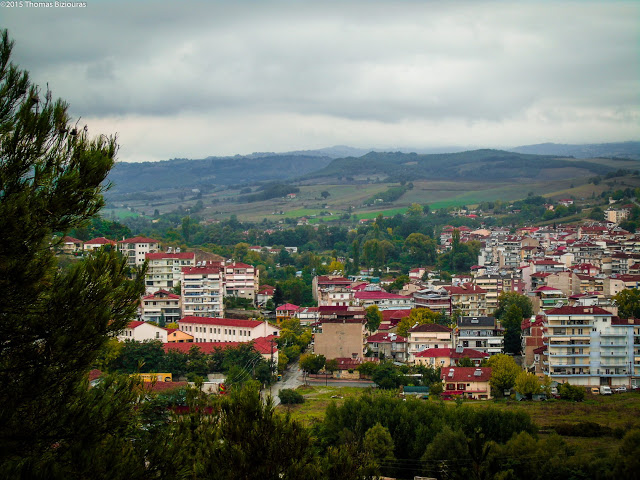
291,378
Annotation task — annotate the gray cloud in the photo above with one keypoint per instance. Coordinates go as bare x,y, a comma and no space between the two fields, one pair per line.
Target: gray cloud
382,71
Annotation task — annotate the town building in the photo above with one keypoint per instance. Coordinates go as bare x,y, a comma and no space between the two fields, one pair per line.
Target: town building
160,304
589,346
141,331
202,291
136,248
388,346
427,336
467,382
448,357
480,333
341,332
209,329
164,270
241,280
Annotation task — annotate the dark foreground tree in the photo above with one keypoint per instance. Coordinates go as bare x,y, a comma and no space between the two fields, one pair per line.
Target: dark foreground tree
53,322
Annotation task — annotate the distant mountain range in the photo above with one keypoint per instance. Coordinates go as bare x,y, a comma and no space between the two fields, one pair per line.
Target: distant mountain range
630,150
526,162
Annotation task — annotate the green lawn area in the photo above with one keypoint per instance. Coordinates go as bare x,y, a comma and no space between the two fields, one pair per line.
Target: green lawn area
317,399
620,411
118,213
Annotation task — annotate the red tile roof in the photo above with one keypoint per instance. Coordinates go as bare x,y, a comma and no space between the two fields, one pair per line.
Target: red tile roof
100,241
262,345
578,311
451,353
379,295
223,322
287,307
161,255
68,239
386,338
465,374
464,289
135,324
138,240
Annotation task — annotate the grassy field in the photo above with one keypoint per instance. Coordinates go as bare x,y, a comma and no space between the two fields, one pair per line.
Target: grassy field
620,411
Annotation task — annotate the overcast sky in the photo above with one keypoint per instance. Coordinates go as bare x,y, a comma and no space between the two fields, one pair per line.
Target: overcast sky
193,79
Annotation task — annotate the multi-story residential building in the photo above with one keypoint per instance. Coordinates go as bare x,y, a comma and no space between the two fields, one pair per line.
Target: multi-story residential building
589,346
616,215
208,329
545,298
532,342
480,333
388,346
164,269
468,298
202,291
341,333
335,296
383,300
495,284
134,249
141,331
448,357
437,300
241,280
158,304
308,315
427,336
328,282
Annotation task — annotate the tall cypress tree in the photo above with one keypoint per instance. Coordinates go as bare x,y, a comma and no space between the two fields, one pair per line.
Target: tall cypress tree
54,321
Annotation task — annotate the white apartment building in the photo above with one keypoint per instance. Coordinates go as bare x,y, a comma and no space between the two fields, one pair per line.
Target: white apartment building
427,336
241,280
134,249
202,291
141,331
207,329
589,346
153,306
165,269
480,333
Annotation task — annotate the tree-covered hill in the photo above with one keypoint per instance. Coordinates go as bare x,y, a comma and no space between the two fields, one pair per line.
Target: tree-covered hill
475,164
182,173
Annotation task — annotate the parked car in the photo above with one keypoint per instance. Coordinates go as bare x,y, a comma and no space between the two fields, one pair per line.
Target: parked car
595,391
605,390
621,389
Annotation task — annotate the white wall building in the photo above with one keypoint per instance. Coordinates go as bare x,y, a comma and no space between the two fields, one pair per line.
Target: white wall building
165,269
207,329
134,249
202,291
141,331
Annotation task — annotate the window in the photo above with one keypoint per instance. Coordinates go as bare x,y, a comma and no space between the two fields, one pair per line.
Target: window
461,386
451,386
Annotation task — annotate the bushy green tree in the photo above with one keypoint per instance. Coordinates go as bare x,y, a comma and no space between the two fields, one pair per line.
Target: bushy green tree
312,363
628,302
54,322
374,318
527,384
504,371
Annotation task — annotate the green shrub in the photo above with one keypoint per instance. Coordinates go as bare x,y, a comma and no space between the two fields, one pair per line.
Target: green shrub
289,396
571,392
